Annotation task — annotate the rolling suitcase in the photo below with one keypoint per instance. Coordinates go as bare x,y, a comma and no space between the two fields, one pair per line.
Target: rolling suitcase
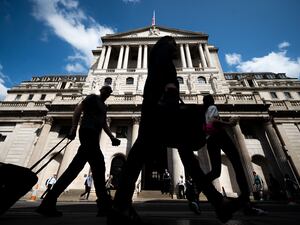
16,181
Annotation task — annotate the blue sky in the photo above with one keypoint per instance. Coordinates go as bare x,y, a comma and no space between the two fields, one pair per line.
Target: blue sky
41,37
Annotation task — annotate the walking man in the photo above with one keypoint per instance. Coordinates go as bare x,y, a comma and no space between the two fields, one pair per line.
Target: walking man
93,111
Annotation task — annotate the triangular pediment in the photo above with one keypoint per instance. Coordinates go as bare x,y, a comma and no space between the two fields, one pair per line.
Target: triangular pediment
154,31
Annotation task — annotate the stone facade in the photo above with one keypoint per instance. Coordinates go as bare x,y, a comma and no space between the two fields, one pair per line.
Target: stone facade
37,114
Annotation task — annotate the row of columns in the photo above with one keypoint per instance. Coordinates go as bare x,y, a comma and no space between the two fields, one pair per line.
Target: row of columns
123,57
175,165
142,59
186,58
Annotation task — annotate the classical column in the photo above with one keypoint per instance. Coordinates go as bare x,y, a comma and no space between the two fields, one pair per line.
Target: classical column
107,58
38,150
120,59
182,55
176,166
139,59
125,62
145,58
244,154
202,58
188,56
207,55
101,60
280,156
135,129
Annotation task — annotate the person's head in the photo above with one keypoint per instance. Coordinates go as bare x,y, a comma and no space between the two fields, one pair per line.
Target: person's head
254,173
105,92
208,100
164,49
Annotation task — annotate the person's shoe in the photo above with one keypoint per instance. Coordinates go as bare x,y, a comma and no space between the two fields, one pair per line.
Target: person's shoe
194,206
128,217
48,211
227,207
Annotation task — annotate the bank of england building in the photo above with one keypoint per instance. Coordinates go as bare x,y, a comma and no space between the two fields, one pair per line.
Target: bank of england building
36,114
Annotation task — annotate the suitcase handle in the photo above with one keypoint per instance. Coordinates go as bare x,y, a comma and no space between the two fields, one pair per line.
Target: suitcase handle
51,150
52,157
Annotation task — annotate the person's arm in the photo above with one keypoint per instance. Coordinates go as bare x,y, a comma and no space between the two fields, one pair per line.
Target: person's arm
114,141
75,120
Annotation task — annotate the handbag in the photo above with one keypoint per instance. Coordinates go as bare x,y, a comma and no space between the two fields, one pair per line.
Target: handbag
181,125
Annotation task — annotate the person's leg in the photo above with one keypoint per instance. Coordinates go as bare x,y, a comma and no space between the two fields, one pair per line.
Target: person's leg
48,205
229,148
224,207
49,186
96,161
88,192
85,190
214,153
192,167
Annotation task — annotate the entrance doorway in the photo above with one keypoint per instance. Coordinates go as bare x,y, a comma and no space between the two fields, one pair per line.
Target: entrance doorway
153,170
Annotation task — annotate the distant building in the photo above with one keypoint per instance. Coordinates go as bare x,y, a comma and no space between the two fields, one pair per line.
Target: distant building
36,114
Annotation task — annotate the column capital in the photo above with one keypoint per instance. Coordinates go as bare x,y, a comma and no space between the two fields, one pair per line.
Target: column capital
136,120
48,120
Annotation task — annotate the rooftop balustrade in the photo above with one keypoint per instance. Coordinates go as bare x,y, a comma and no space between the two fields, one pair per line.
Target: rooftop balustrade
69,99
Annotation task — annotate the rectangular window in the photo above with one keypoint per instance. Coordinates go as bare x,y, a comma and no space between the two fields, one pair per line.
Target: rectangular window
18,97
273,95
43,96
63,85
2,137
30,97
251,83
287,95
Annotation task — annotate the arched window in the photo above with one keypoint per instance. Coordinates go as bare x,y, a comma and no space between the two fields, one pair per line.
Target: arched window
201,80
129,80
107,81
180,80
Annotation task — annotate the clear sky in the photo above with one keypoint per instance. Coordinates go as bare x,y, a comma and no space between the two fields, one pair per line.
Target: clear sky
41,37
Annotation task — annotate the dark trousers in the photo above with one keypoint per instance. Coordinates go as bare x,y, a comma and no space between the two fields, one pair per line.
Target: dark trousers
221,141
89,151
49,186
142,151
86,192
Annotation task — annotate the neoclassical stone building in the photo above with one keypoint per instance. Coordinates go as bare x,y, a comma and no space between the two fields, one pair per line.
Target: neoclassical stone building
36,114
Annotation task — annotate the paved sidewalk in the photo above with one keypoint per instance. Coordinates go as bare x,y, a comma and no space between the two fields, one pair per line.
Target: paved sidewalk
157,212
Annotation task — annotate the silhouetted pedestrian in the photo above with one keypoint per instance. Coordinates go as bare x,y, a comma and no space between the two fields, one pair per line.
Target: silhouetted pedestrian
217,140
258,187
88,182
161,82
166,182
49,184
93,121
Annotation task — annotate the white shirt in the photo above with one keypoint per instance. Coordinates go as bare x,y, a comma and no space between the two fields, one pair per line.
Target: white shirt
211,113
51,181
